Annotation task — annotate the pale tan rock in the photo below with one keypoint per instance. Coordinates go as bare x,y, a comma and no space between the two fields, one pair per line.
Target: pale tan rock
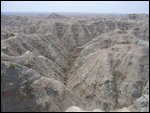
98,63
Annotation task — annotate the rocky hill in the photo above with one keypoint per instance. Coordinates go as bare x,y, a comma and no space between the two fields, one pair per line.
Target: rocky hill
56,16
58,63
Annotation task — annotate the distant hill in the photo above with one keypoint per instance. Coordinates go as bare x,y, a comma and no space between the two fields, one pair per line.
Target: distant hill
56,16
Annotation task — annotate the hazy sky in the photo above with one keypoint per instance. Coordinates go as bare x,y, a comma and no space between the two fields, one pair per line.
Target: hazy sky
76,6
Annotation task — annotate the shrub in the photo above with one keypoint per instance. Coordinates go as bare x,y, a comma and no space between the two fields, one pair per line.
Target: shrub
28,88
12,65
12,34
9,35
130,63
66,79
116,73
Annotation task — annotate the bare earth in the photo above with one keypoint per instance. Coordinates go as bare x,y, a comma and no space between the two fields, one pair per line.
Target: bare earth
75,62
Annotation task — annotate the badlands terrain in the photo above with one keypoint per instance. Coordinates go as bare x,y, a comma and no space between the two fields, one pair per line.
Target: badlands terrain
57,62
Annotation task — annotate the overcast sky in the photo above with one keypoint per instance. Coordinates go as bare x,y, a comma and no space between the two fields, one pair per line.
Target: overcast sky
123,7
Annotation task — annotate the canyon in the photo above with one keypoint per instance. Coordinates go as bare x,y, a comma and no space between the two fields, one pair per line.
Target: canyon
57,63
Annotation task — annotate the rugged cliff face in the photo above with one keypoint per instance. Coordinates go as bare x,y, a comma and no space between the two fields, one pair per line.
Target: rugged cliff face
50,63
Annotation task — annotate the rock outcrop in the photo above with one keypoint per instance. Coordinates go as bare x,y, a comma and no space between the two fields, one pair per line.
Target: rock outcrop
58,63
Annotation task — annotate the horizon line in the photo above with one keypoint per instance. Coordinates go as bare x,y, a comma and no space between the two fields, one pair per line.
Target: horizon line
73,12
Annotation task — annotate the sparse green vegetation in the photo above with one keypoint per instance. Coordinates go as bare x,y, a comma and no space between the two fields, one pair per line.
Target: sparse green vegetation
3,74
117,63
116,73
107,81
12,34
28,88
130,63
125,42
9,35
66,78
68,72
12,65
28,65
